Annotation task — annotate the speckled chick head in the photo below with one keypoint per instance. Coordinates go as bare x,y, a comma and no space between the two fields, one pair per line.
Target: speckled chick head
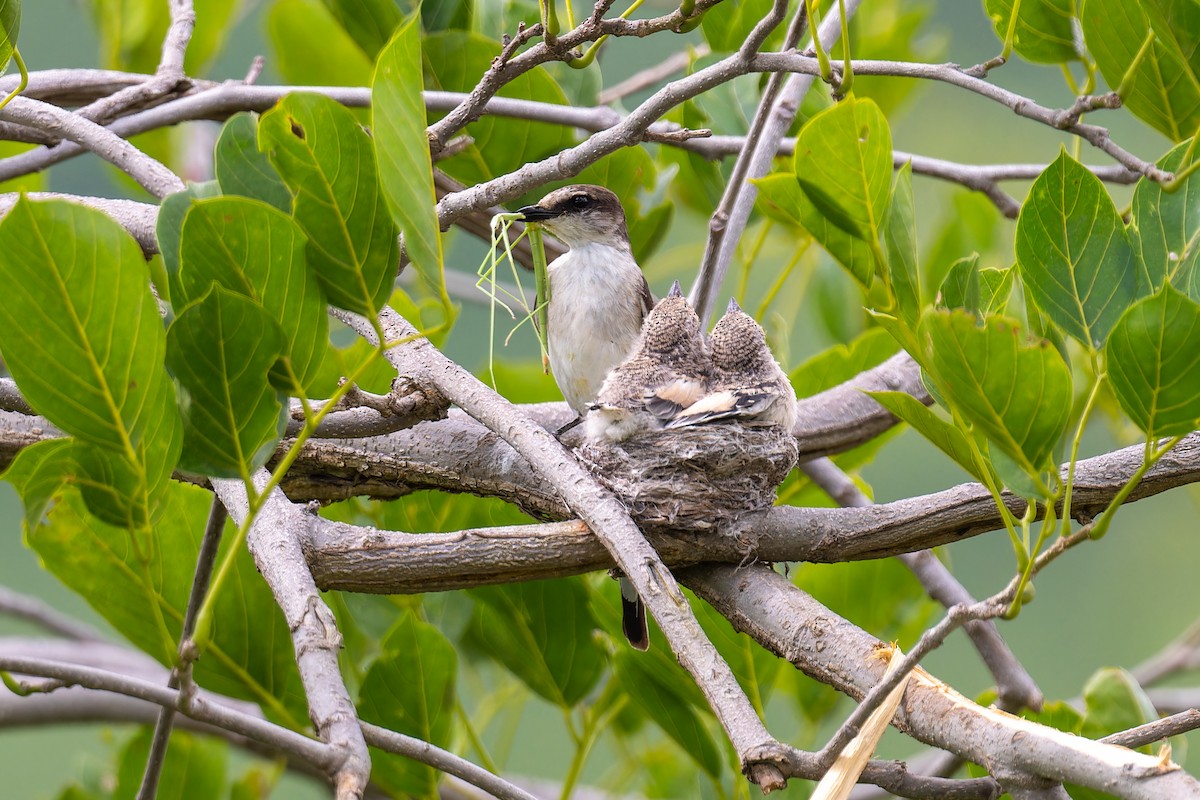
672,330
581,214
738,343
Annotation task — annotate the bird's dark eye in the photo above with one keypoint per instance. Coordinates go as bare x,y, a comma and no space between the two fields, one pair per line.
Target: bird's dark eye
580,201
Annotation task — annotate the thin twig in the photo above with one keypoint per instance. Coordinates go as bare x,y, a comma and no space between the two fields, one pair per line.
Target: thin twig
1156,731
181,675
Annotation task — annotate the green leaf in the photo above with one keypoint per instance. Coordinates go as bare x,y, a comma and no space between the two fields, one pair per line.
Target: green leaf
252,249
854,254
453,62
900,238
669,709
1044,32
1114,701
221,349
79,329
38,473
10,28
541,632
369,22
251,655
1013,389
328,162
405,171
1166,226
194,768
1152,358
410,689
312,49
779,197
170,224
1163,89
844,165
960,288
242,169
841,362
1073,252
1176,23
726,26
947,438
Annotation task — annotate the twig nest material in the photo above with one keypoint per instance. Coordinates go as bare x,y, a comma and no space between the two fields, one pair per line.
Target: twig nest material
695,478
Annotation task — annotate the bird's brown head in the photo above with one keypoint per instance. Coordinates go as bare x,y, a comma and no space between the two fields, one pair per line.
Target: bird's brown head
672,329
581,214
737,341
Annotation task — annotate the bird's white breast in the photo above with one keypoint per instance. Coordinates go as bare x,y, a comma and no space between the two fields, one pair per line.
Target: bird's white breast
595,316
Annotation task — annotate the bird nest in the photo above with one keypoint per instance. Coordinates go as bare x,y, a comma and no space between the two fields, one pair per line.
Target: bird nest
695,478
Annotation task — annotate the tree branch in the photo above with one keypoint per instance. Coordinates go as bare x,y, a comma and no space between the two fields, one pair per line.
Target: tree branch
274,541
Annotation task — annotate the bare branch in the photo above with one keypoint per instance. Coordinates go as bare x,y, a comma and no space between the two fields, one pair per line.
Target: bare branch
153,176
1158,730
137,218
204,708
954,75
274,541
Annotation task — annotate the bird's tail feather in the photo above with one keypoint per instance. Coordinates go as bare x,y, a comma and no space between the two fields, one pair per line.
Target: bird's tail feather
633,617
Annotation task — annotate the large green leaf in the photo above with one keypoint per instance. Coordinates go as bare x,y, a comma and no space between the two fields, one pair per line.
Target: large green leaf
410,689
787,202
250,248
1164,88
541,632
454,60
312,49
221,350
1176,23
1044,32
1166,226
947,438
10,29
900,238
1152,358
194,768
328,162
1114,702
1073,252
251,655
79,329
405,171
243,169
844,165
1013,389
370,23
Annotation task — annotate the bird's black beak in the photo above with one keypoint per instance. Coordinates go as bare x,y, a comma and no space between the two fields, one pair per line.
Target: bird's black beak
536,213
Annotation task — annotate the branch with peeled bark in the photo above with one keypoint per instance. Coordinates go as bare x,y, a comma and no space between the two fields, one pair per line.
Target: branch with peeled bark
794,626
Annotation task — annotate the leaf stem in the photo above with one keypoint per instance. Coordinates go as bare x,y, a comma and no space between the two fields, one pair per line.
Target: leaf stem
16,56
1083,419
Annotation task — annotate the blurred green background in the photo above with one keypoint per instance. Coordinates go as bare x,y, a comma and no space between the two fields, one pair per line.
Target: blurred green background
1111,603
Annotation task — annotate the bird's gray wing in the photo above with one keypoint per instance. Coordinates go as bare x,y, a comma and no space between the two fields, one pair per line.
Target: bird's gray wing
666,401
743,403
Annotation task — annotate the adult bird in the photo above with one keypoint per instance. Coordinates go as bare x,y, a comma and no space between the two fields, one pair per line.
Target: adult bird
598,295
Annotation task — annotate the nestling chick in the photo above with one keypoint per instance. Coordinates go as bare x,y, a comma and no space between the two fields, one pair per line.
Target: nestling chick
665,372
598,295
747,382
